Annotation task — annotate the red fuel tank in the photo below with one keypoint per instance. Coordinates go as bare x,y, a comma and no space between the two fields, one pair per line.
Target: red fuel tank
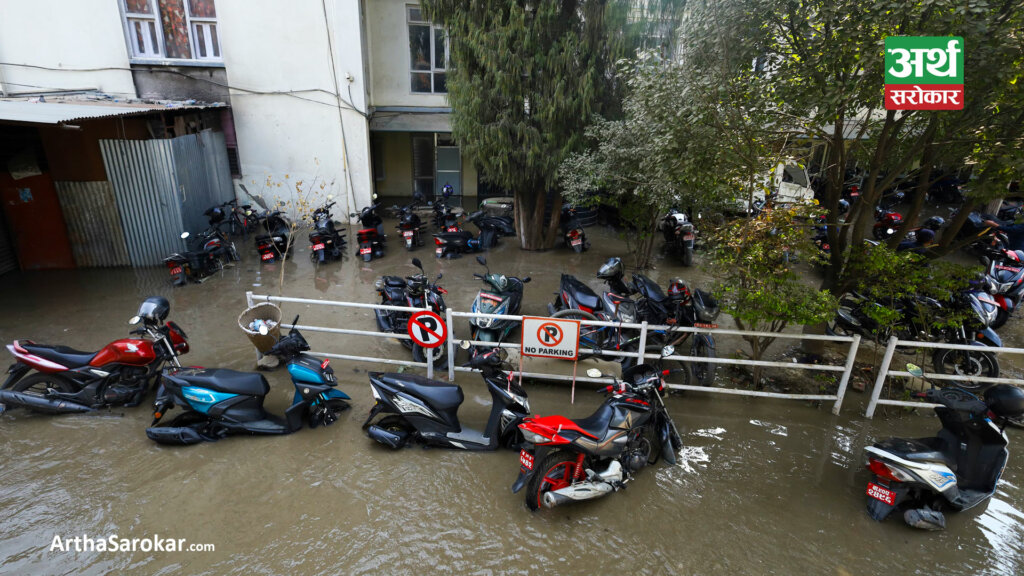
125,351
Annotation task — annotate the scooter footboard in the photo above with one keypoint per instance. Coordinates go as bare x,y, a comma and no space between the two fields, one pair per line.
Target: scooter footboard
177,435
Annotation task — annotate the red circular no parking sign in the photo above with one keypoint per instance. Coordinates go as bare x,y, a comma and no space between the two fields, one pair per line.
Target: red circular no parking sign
427,329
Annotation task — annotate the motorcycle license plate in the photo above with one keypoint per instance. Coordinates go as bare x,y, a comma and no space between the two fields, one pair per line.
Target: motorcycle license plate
688,236
407,233
176,270
267,256
439,251
880,493
526,459
364,250
576,242
317,247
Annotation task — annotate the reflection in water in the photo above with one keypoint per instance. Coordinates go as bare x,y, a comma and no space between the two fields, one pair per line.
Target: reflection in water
777,429
1001,524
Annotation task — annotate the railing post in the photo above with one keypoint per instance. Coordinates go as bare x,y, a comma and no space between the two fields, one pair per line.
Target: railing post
845,380
248,299
883,372
450,344
643,343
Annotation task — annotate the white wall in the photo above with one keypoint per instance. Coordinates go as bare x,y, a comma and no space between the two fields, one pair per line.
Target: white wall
66,35
269,46
388,36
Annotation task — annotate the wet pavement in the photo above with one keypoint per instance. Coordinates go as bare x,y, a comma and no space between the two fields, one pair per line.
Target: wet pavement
764,486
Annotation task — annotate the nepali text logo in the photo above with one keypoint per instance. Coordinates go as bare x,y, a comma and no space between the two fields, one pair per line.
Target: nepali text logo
924,73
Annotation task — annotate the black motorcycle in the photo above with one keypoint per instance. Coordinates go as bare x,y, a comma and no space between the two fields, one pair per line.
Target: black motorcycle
445,219
414,292
573,234
503,298
679,235
371,236
451,244
564,461
274,243
327,242
410,227
955,470
219,402
205,253
417,409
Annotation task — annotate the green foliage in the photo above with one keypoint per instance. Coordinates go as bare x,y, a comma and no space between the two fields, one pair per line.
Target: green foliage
757,283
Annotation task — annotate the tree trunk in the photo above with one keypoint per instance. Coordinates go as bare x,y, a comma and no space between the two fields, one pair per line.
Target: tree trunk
529,219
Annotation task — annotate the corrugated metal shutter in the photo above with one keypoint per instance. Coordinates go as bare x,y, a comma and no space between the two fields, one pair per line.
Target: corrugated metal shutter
204,176
94,223
8,259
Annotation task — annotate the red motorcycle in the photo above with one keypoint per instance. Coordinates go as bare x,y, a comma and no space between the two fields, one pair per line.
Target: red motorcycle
565,460
67,380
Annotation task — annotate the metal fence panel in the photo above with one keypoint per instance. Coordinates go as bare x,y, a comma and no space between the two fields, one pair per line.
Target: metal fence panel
204,178
94,223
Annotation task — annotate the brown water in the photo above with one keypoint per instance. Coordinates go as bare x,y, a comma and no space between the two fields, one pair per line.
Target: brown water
764,486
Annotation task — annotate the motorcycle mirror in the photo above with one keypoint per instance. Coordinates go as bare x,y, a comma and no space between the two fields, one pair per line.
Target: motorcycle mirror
134,320
263,330
465,345
416,262
482,261
352,215
594,373
526,280
438,276
668,351
915,370
184,235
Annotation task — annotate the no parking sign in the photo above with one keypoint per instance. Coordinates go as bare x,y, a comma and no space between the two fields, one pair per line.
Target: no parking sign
427,329
551,338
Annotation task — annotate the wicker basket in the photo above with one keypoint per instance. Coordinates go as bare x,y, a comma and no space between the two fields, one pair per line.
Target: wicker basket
264,311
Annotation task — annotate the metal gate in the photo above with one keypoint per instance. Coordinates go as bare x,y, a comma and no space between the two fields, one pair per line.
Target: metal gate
162,188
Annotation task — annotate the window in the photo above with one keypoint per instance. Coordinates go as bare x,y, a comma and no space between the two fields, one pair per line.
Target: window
428,54
172,29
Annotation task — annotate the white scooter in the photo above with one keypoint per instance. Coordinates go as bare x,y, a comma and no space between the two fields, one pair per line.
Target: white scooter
956,469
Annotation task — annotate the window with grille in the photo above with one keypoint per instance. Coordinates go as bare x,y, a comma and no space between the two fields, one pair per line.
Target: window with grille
172,29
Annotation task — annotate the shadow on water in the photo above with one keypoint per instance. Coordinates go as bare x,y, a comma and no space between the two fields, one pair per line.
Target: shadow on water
762,486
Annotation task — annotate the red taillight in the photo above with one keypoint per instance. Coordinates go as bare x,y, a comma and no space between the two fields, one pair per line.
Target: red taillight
586,309
880,469
438,242
574,233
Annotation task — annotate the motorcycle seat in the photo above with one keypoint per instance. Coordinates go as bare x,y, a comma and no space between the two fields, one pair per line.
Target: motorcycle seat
63,355
394,281
922,450
230,381
581,292
439,394
649,288
597,423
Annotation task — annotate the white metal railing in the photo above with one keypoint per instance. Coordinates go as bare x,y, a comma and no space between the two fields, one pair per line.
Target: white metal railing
643,327
884,372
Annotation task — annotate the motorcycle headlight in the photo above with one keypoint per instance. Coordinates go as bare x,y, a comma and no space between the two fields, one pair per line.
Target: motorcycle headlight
535,438
483,322
378,284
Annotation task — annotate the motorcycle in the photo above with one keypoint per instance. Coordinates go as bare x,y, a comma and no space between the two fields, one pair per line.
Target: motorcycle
576,301
957,469
573,234
219,402
276,243
886,223
504,298
565,460
413,292
410,227
451,244
1006,271
418,409
327,242
120,374
371,237
444,218
679,235
205,254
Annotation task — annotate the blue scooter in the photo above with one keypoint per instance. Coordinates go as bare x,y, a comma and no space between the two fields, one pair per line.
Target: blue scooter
219,402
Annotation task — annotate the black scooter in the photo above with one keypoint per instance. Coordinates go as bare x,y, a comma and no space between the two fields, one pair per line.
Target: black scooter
326,241
416,408
204,254
371,237
409,224
219,402
452,244
957,469
503,298
574,235
679,235
275,241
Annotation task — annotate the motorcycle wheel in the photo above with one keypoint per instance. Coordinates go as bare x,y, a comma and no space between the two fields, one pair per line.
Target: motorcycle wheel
555,472
703,372
687,256
420,355
327,412
965,363
1001,317
591,337
36,384
651,435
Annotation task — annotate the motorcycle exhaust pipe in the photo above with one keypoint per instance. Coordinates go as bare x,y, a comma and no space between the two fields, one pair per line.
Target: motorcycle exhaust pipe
576,493
392,439
49,405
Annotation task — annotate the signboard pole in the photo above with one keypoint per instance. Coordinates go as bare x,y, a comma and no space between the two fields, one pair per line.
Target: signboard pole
572,395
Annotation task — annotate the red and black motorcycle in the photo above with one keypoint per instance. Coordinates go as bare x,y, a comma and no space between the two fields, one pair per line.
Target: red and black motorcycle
66,380
565,460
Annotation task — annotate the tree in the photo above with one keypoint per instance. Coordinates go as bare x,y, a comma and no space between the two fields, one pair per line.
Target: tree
757,284
525,77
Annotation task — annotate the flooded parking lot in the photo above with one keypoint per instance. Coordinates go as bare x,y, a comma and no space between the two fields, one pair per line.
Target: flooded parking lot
763,486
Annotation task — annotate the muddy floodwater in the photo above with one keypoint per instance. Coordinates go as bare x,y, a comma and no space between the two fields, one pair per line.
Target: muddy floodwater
763,486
